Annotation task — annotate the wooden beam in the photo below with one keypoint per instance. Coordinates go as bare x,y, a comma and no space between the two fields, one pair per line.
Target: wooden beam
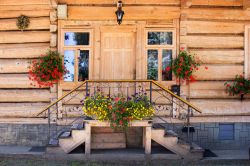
35,24
25,37
14,81
131,13
203,41
218,72
8,8
29,13
14,65
217,3
206,56
23,50
24,2
214,27
18,110
222,107
216,14
127,2
17,96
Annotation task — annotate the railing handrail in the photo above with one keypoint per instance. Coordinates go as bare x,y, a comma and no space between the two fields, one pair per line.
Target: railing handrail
98,81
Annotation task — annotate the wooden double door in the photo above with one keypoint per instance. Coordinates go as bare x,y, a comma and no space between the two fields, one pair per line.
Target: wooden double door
118,53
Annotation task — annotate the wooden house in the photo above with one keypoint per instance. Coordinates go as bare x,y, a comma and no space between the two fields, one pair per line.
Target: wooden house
152,31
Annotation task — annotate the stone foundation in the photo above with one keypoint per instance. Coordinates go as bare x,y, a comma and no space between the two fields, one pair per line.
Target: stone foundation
25,134
206,135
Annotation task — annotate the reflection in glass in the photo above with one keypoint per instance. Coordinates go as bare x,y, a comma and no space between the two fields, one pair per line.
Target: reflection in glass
160,38
76,38
152,65
83,64
69,59
166,64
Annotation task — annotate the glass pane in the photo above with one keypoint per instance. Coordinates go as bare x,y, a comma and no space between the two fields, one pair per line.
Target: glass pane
152,64
83,73
69,60
166,64
76,38
160,38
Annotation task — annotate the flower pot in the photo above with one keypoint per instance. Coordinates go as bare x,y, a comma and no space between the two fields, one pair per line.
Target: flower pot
176,89
241,97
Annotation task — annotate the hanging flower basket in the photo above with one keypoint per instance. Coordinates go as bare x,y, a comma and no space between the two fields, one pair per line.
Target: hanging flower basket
184,66
240,86
48,70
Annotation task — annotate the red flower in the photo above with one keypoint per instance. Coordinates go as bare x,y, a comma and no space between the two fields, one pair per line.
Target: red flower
168,68
192,79
121,122
206,67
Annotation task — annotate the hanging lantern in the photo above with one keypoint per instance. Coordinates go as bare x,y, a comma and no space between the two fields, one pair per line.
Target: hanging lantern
119,12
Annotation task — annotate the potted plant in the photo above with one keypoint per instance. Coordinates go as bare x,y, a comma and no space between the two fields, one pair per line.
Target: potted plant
183,68
47,70
240,86
119,111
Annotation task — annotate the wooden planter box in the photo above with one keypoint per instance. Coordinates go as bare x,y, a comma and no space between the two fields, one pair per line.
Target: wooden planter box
145,124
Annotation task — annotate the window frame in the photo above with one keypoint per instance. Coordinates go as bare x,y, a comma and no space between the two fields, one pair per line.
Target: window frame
77,49
160,49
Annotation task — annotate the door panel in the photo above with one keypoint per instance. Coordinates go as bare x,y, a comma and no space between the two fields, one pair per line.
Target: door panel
117,53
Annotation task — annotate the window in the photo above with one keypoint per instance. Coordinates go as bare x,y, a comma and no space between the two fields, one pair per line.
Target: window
76,49
160,51
226,131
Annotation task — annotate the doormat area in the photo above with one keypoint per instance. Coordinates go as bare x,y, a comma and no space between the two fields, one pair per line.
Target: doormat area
38,149
209,153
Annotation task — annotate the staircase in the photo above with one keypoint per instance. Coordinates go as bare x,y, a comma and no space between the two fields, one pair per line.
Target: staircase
170,140
67,140
167,106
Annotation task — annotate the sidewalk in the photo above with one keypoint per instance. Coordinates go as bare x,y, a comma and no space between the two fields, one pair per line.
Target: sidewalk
25,150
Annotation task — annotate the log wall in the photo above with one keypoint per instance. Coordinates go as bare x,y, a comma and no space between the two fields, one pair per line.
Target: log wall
19,99
214,32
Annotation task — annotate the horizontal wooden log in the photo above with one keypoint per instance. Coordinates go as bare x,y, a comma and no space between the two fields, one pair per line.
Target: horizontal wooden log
108,145
8,110
24,120
217,3
25,37
24,2
14,65
112,2
29,13
13,81
216,14
108,138
222,107
35,24
23,50
213,41
98,130
207,119
131,13
218,72
7,8
16,96
219,56
214,27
